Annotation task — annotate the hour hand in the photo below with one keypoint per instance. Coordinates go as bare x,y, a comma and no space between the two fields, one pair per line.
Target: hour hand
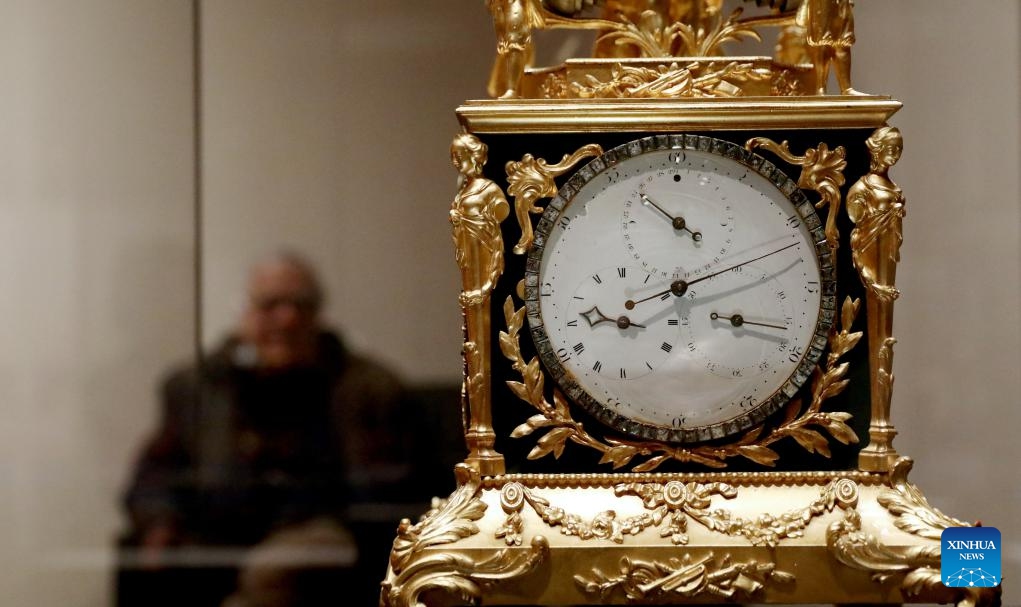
677,222
593,316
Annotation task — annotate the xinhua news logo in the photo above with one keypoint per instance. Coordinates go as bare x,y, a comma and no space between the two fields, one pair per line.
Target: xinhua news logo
970,556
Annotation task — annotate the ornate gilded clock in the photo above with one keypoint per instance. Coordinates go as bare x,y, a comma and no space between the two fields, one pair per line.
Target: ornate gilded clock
678,280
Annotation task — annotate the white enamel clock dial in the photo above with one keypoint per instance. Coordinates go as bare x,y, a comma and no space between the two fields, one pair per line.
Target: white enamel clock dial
680,288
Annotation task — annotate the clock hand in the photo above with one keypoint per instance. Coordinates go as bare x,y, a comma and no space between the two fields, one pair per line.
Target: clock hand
677,222
737,320
622,322
680,287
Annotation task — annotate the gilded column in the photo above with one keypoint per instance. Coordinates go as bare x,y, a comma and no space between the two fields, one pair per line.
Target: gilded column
475,215
876,205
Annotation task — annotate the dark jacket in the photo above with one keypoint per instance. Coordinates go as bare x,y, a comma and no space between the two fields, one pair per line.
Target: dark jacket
240,453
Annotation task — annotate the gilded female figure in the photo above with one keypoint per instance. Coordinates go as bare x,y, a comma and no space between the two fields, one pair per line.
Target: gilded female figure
876,205
476,213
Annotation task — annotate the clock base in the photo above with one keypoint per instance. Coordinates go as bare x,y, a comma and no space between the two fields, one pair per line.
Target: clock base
772,537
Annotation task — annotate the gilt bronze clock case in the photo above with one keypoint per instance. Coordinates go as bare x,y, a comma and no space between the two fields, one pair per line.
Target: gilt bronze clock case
713,481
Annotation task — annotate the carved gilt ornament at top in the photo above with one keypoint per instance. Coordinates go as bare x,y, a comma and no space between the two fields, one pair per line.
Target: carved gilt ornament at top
674,48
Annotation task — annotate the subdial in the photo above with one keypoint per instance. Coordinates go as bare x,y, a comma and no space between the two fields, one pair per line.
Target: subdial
605,339
677,217
740,323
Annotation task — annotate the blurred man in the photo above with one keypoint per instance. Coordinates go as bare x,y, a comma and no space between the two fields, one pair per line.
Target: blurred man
268,442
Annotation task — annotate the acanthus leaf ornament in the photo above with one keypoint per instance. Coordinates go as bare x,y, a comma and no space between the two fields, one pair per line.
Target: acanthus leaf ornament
919,564
448,521
911,509
531,179
417,566
460,574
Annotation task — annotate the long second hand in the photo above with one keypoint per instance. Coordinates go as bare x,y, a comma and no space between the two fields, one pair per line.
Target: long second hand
680,287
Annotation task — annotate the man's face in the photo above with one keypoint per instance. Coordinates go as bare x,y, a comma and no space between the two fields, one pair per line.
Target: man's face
281,319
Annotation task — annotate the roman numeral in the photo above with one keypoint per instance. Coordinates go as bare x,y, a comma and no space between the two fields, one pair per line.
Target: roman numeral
672,322
572,323
666,347
596,278
621,272
596,367
579,347
623,373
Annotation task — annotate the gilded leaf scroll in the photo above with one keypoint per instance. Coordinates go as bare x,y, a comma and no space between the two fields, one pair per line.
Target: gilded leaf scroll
822,170
919,564
460,574
450,521
530,179
416,569
804,426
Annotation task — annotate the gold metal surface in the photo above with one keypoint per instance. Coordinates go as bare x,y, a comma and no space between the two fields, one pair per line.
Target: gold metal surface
837,537
828,27
797,423
820,34
530,179
876,206
478,208
641,581
672,115
514,21
670,507
658,79
694,33
919,564
415,569
822,170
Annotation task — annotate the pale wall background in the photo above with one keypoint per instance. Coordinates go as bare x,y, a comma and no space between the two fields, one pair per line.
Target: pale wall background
326,128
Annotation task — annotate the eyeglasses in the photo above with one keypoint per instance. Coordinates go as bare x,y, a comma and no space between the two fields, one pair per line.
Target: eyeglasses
303,303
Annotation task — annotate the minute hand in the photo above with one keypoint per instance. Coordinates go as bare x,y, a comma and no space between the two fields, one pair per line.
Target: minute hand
680,287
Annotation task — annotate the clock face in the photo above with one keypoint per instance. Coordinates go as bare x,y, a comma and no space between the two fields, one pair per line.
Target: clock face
681,288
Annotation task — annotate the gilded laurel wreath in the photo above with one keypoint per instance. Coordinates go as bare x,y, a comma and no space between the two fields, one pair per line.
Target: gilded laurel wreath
803,424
